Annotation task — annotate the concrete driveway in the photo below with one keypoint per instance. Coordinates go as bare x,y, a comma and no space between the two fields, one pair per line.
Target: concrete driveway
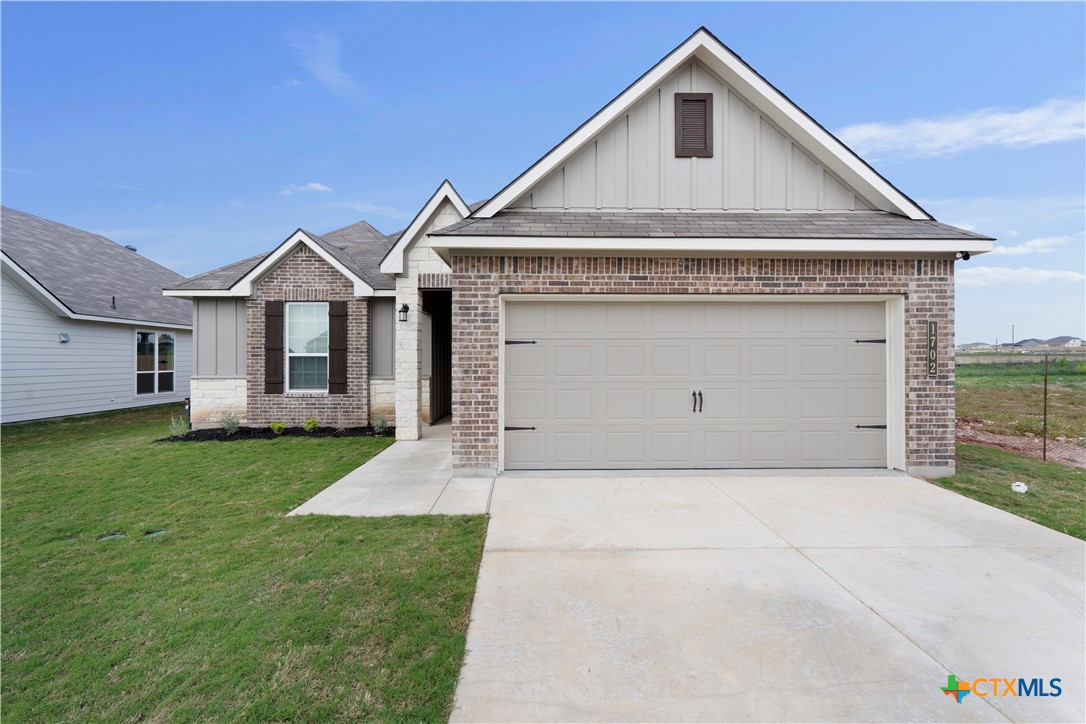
767,598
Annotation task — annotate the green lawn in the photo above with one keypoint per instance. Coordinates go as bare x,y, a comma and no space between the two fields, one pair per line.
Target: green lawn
1056,497
236,612
1009,397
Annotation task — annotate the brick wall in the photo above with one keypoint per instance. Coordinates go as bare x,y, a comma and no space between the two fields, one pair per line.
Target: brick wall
306,277
478,280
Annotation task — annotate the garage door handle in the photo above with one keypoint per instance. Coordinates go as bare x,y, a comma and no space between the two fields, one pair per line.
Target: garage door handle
695,396
701,402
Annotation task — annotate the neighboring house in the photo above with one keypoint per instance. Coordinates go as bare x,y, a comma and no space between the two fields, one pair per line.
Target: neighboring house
84,326
1064,341
974,347
699,276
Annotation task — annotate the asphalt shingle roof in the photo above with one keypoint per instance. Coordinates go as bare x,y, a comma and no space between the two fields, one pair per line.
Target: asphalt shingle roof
87,271
359,247
711,225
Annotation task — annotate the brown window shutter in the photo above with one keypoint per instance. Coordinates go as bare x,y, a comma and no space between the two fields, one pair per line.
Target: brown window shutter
337,348
273,347
694,124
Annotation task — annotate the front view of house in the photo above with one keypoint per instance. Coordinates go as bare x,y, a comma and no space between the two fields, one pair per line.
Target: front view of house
700,276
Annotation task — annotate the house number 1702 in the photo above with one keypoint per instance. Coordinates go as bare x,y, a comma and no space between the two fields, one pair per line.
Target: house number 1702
933,348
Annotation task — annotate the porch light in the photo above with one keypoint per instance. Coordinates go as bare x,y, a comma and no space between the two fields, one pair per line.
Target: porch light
403,312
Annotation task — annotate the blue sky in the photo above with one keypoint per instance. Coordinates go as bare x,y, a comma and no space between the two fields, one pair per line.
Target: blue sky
207,132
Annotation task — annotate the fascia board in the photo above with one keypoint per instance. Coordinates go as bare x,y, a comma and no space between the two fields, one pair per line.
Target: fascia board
43,296
393,263
244,286
33,287
731,68
810,135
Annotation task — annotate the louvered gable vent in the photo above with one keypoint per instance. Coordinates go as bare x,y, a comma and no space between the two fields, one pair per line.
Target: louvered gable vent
694,124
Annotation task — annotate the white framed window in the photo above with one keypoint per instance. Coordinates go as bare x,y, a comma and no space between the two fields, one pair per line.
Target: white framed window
154,362
307,346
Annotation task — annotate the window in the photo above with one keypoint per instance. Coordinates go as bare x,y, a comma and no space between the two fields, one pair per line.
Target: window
694,124
154,362
382,337
307,346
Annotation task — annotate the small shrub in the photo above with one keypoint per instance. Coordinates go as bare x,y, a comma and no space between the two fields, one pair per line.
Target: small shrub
380,424
230,423
278,427
310,425
178,426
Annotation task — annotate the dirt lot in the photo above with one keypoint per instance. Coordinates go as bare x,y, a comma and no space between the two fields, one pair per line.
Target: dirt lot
969,431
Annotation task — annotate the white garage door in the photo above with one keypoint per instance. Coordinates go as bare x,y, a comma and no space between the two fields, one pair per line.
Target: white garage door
592,385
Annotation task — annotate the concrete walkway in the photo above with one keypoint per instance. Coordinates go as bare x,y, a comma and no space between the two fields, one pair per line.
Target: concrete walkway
743,598
407,478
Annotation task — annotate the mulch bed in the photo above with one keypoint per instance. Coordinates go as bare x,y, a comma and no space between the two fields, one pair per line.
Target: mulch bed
968,431
266,433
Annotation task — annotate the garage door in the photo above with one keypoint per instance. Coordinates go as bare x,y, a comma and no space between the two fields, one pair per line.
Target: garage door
594,385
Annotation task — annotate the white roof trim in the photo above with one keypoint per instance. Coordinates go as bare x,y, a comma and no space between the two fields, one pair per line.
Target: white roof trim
518,244
53,305
755,89
393,263
244,287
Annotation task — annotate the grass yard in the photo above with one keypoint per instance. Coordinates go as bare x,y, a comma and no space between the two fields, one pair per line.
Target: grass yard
1056,497
236,612
1009,398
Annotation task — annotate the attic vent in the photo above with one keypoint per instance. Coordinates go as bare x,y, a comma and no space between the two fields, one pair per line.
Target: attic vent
694,124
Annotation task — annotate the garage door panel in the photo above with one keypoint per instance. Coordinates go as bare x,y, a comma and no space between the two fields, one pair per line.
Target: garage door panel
524,360
768,359
671,360
866,359
609,385
626,360
722,360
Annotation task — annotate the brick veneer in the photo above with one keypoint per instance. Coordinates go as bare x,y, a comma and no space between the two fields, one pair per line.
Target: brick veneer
478,280
306,277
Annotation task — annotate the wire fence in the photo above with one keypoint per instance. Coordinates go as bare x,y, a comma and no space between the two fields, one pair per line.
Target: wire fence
1035,405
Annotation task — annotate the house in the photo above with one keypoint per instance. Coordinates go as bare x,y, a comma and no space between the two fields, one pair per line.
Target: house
699,276
83,324
1064,341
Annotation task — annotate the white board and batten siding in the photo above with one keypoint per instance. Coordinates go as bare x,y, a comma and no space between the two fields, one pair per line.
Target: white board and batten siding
94,372
632,164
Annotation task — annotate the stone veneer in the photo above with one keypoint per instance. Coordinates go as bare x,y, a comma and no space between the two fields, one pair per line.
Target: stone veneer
305,277
211,398
928,286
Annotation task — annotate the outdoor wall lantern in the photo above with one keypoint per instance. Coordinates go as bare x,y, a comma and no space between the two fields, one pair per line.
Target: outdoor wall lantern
403,312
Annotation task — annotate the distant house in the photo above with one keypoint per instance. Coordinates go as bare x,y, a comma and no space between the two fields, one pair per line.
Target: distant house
1064,341
85,327
974,347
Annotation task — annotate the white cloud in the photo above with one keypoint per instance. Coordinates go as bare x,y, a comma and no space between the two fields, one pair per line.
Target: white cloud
321,56
1057,119
1011,233
364,207
311,186
1042,245
989,276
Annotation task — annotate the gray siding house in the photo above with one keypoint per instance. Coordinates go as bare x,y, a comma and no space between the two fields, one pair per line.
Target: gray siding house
83,324
699,276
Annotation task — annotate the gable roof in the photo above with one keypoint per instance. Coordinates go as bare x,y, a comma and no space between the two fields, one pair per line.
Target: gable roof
393,262
83,275
704,46
355,250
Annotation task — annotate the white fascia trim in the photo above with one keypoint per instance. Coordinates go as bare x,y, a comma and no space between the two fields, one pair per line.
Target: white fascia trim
31,285
519,244
393,263
57,307
244,286
754,88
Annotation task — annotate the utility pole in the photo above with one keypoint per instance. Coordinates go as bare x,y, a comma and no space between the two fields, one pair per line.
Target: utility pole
1012,336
